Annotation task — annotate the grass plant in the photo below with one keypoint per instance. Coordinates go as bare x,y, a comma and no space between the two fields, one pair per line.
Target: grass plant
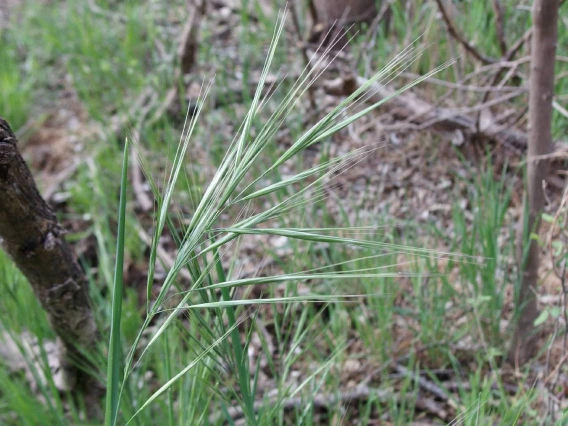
353,293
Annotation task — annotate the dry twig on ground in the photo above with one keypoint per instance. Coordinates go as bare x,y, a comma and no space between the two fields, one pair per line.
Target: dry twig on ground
420,115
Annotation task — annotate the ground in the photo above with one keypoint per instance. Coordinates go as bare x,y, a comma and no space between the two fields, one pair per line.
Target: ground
423,345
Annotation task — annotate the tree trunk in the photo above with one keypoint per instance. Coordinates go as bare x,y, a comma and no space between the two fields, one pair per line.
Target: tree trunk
541,86
31,236
352,11
189,45
333,15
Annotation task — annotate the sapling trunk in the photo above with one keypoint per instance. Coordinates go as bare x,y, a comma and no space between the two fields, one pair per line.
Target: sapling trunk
543,47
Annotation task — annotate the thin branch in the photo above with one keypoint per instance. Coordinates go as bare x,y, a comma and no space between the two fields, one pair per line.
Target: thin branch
440,119
33,238
454,33
518,44
460,86
500,25
361,392
429,386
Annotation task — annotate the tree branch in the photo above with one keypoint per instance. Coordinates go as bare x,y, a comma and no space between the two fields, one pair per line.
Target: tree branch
454,33
32,237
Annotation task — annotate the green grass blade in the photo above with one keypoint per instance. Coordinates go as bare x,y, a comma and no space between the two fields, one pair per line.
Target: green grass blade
242,363
178,376
115,349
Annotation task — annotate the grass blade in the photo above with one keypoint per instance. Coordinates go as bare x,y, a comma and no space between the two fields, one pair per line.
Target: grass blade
115,349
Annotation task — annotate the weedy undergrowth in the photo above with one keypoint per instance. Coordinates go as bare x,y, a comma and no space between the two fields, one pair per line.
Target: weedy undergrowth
207,317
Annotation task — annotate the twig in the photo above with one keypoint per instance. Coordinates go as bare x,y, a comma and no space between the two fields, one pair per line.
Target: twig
469,110
512,70
431,406
427,385
484,69
554,372
361,392
487,90
500,25
518,44
461,86
517,118
508,56
455,385
454,33
407,105
498,66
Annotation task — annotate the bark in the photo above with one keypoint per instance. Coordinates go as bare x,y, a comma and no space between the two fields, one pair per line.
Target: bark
541,87
333,15
189,45
32,237
352,11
